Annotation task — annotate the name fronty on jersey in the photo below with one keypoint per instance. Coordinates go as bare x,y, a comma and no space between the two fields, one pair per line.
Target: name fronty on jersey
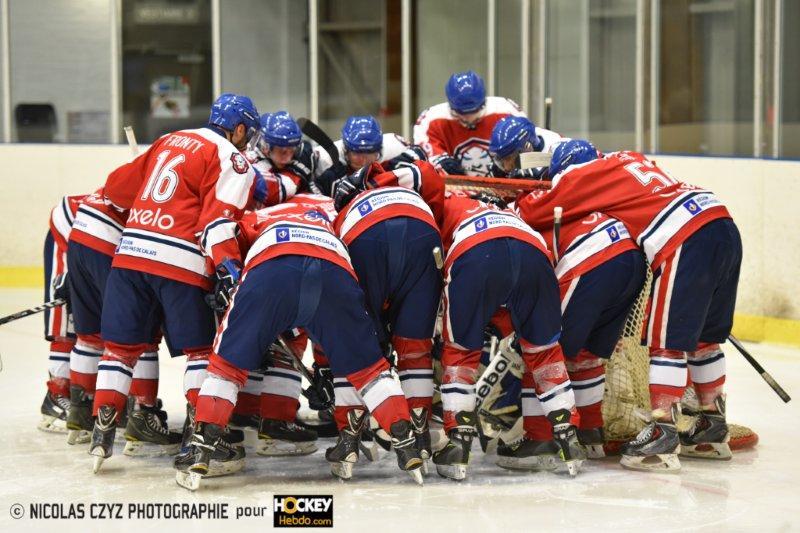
154,219
184,142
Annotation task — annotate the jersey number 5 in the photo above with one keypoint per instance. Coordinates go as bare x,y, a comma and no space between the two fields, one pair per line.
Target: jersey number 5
649,173
163,180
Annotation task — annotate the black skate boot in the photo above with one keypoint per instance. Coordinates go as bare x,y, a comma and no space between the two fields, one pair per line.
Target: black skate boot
422,435
708,437
404,442
344,454
655,448
593,440
54,413
529,454
278,438
451,461
566,437
147,434
213,451
105,427
239,421
79,418
188,428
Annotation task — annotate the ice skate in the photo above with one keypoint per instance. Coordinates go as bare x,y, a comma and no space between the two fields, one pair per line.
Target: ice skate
147,434
566,437
422,435
404,442
344,454
451,461
213,452
525,454
708,437
278,438
188,428
655,449
79,418
54,413
593,441
239,421
105,427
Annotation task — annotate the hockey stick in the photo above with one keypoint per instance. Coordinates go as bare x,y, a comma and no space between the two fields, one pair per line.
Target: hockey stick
557,212
315,133
32,311
548,108
131,140
760,369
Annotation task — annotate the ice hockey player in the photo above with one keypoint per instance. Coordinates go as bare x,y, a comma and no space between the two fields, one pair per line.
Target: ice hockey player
515,135
362,144
282,157
58,324
96,231
600,273
159,274
494,259
695,252
296,273
388,220
455,134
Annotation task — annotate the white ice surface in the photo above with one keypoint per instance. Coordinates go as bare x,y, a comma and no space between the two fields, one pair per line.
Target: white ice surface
756,490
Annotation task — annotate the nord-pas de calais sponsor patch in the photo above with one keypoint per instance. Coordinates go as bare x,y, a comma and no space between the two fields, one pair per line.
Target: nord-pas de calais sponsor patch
302,510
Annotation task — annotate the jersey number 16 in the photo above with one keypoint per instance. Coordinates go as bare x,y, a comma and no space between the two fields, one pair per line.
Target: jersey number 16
163,180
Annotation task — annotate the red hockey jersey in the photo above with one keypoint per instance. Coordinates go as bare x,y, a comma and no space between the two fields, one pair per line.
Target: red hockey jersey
468,222
300,226
61,218
185,180
413,190
659,211
441,134
280,184
98,224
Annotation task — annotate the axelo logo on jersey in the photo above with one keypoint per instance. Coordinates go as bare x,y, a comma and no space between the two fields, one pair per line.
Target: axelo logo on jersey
154,219
303,511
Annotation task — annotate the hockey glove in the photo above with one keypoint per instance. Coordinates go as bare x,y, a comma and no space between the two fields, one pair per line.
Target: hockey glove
529,173
327,179
303,165
228,275
490,199
451,166
346,188
60,287
320,391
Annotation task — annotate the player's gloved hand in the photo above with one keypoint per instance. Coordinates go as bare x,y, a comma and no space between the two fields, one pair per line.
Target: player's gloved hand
451,166
320,391
303,165
228,276
346,188
490,199
409,155
529,173
326,180
60,287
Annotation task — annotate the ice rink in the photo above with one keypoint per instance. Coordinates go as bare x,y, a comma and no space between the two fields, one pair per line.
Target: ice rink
758,489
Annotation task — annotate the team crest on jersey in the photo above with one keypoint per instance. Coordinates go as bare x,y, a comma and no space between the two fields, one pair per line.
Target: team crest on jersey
315,215
480,224
239,163
282,235
474,156
692,207
365,208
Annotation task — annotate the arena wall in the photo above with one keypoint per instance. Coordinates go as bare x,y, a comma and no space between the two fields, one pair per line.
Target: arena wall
763,196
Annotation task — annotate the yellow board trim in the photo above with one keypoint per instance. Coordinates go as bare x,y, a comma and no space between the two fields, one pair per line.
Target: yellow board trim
746,327
31,277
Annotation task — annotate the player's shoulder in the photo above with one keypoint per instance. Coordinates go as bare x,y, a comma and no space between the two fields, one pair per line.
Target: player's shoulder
499,105
433,113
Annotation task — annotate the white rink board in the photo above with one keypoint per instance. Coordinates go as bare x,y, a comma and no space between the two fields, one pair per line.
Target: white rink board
757,489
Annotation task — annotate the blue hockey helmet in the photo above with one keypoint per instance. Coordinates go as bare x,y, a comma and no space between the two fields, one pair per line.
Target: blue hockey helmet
465,92
571,152
229,110
513,134
362,134
280,129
